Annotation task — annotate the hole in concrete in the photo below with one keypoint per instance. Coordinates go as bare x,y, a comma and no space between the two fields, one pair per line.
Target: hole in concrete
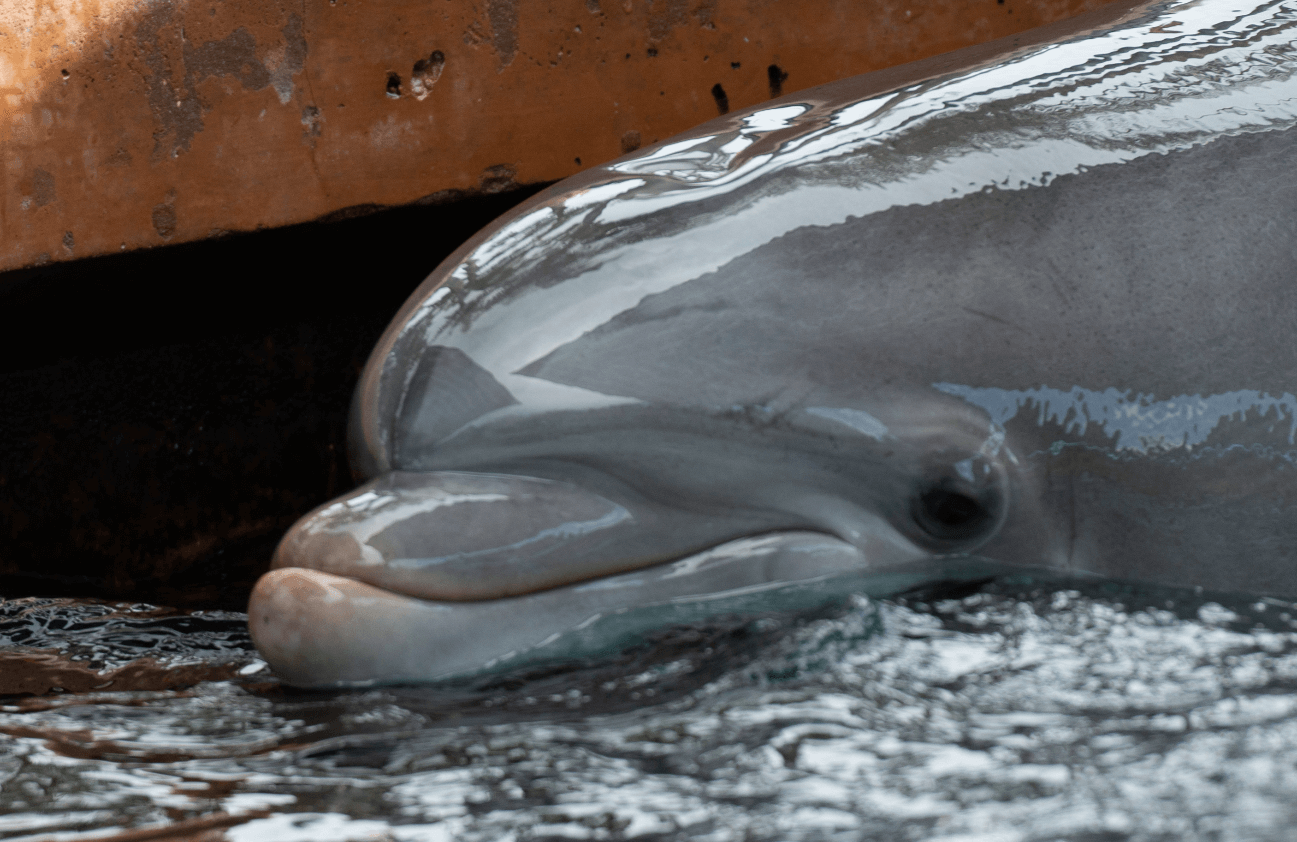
630,142
735,65
425,74
722,101
393,86
777,78
652,52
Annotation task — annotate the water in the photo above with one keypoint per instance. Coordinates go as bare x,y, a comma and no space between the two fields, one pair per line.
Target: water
1006,714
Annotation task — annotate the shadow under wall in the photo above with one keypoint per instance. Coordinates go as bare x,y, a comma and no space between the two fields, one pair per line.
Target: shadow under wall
167,414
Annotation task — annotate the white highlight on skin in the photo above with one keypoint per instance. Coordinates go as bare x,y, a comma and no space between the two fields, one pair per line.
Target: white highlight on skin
518,231
699,159
750,548
367,514
856,419
1136,422
570,529
602,193
432,301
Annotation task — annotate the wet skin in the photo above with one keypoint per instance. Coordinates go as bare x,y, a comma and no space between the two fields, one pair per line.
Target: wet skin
1034,312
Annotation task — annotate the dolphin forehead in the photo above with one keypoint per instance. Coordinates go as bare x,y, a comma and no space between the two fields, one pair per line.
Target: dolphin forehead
819,248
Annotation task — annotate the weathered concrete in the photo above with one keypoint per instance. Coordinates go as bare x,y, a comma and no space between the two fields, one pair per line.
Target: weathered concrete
133,123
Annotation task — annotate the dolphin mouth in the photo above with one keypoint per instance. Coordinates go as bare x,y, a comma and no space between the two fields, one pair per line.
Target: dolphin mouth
417,577
466,536
319,629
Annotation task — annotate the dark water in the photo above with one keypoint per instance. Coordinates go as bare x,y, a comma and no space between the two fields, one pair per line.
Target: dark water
1003,715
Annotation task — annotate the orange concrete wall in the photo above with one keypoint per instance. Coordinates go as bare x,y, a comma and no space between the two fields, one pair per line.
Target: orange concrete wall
133,123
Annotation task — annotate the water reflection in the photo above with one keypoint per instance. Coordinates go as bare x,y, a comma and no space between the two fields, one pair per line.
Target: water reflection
1016,712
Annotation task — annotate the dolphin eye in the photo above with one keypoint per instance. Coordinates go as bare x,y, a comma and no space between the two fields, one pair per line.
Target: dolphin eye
960,504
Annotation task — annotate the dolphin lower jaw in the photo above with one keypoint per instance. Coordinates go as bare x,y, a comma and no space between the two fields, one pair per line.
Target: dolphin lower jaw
318,629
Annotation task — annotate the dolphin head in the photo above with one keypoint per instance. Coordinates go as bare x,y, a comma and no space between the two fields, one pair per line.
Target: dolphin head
890,336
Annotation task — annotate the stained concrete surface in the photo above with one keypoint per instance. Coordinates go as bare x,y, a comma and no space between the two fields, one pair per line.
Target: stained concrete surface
136,123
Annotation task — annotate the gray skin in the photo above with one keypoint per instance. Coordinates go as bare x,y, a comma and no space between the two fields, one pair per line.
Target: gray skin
1036,311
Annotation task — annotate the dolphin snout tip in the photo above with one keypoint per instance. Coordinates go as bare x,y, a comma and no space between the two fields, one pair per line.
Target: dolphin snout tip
294,615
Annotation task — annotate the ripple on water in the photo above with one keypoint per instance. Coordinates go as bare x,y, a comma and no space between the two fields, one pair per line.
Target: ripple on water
1058,714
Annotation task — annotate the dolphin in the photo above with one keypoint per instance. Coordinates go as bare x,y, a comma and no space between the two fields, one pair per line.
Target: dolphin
1035,311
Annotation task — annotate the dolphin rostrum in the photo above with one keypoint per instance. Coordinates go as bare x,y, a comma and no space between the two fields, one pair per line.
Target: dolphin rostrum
1036,310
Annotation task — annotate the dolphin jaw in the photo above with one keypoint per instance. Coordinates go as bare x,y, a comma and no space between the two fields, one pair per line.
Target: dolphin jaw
318,629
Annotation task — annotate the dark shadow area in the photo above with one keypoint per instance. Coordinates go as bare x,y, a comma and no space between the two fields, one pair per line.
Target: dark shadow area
167,414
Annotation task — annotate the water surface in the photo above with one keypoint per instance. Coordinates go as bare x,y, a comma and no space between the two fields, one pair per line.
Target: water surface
1011,713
